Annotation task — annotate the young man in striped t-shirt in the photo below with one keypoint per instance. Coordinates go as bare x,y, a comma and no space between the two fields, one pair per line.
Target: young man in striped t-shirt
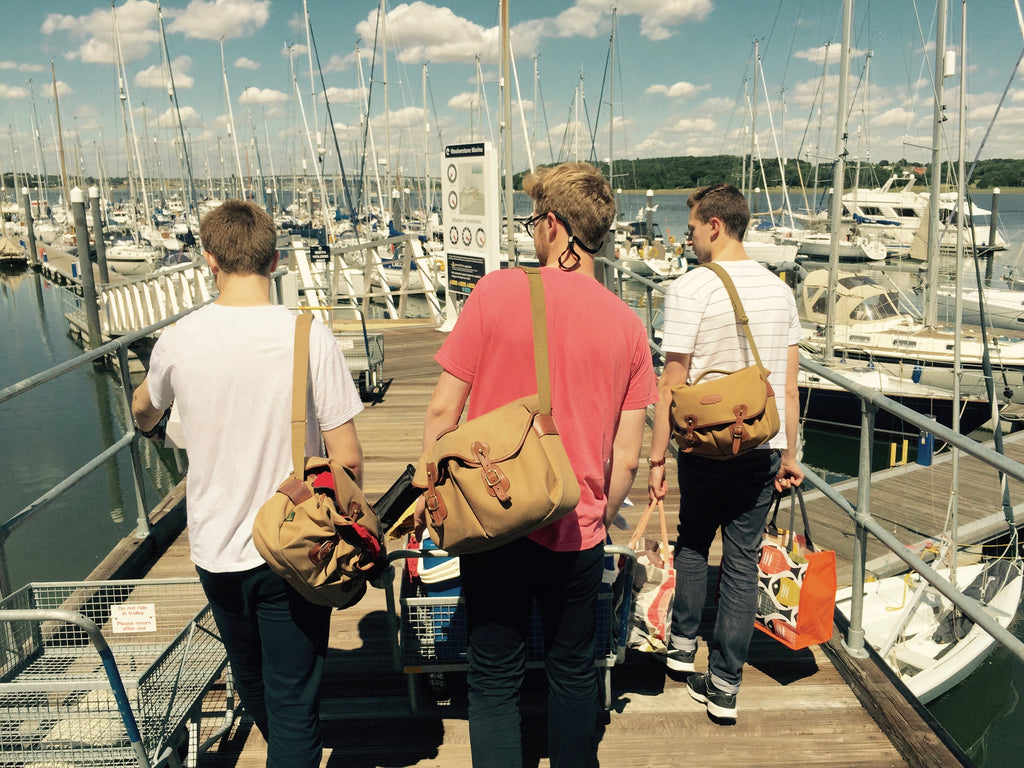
700,334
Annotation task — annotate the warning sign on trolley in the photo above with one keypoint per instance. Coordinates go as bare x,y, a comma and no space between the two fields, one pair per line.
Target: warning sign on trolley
470,187
138,617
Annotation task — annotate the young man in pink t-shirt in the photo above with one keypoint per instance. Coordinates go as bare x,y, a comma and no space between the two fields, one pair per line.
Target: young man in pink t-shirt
602,381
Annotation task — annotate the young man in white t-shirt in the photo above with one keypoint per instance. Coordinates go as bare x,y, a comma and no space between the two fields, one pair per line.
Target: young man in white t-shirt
228,369
700,334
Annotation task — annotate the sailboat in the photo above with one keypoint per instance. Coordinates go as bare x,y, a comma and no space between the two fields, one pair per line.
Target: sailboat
848,317
926,641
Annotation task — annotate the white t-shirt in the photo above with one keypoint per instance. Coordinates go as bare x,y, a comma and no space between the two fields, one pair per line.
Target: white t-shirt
699,321
228,371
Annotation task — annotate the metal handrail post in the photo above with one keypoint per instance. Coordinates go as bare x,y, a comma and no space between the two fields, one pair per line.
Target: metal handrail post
5,571
854,642
142,524
650,311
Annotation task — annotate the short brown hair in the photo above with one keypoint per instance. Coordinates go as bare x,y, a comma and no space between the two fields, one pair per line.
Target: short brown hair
723,202
241,236
579,194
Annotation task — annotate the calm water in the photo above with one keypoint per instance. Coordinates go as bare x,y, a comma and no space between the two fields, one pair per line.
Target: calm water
55,429
61,425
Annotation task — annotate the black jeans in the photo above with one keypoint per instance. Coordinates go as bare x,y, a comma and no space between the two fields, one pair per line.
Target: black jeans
276,642
734,496
500,587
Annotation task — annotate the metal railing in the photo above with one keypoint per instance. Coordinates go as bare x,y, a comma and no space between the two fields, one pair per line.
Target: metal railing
860,513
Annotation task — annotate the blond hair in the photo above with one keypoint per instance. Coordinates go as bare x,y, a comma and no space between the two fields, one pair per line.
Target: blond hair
579,194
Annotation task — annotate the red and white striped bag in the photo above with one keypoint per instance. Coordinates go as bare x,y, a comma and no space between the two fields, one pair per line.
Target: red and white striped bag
654,585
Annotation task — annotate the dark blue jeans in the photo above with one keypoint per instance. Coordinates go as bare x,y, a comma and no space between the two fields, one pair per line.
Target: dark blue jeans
500,587
276,642
736,496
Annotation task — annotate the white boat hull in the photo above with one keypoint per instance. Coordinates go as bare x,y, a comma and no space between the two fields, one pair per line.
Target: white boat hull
929,668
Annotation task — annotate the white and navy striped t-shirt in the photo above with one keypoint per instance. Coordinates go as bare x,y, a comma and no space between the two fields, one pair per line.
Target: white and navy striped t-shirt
699,321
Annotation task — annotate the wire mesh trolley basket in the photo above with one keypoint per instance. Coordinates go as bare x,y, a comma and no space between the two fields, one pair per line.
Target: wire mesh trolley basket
106,673
429,633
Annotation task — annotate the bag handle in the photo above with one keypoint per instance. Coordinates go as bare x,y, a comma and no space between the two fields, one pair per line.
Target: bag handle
300,372
540,337
641,525
796,494
737,307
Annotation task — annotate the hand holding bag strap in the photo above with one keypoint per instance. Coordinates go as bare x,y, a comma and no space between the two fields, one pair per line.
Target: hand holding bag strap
540,338
737,307
641,526
299,378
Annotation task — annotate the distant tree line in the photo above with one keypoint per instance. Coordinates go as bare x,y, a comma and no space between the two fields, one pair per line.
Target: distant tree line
689,172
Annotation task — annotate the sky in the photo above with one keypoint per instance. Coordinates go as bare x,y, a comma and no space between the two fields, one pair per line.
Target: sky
680,79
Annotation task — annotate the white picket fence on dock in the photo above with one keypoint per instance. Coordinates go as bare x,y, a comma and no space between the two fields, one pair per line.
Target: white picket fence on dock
140,303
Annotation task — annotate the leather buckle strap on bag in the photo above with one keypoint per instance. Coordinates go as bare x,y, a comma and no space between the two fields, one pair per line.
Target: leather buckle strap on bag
318,532
730,415
505,473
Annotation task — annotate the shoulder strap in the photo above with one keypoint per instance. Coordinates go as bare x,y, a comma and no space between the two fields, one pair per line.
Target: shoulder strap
540,337
737,306
299,378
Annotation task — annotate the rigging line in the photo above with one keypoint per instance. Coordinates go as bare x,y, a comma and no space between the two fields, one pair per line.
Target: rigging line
334,131
600,103
792,40
366,123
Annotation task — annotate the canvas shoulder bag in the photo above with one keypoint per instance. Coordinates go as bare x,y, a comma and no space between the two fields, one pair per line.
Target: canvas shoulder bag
317,532
727,416
505,473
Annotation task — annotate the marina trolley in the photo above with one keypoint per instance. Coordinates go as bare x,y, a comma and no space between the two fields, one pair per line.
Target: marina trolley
427,623
108,673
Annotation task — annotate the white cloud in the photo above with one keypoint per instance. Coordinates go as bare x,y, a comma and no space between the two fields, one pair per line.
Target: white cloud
13,65
13,92
680,90
246,63
342,95
63,89
216,19
427,32
189,118
253,95
153,77
692,124
892,118
90,37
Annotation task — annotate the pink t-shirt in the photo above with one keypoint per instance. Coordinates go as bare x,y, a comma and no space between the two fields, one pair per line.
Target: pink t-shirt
600,366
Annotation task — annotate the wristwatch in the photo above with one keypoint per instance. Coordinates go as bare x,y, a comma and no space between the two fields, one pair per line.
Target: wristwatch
652,463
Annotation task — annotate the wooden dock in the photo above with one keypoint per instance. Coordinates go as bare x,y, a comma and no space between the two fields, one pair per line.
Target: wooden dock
816,707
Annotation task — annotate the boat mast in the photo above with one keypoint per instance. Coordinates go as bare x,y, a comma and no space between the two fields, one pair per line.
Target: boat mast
231,119
961,195
427,201
385,196
320,148
60,142
506,132
42,179
932,273
184,161
611,109
132,139
838,175
753,120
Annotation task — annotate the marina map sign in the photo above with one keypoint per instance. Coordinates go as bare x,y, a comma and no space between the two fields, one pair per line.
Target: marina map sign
469,188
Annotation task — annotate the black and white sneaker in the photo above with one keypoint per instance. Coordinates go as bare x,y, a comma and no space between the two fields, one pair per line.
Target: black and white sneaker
720,705
679,660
